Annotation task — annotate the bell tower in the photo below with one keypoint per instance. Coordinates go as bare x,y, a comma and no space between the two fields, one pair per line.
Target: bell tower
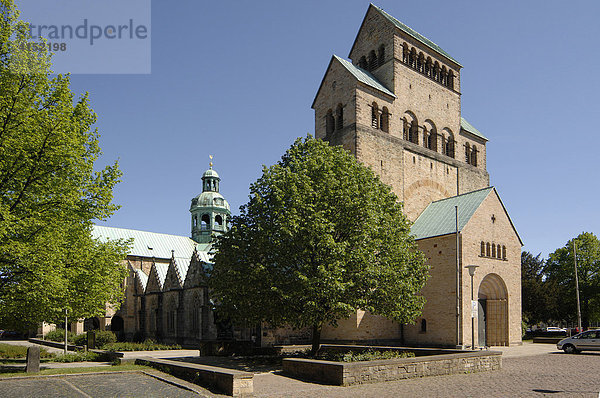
209,210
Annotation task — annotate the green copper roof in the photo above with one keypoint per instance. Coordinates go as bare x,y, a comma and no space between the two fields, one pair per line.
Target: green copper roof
439,218
416,35
210,173
364,76
469,127
152,244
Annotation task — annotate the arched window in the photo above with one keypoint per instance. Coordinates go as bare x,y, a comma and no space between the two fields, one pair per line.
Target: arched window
428,67
436,71
450,80
468,153
385,120
329,122
420,62
448,142
339,117
487,249
195,221
372,60
363,62
412,58
498,251
381,55
493,250
482,248
503,252
430,135
218,220
443,75
405,54
423,326
474,156
374,115
414,132
410,127
205,222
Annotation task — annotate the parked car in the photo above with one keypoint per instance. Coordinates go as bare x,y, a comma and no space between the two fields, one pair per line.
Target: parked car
552,329
585,341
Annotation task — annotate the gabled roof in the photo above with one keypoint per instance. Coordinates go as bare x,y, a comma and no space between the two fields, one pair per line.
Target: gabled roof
141,277
161,272
182,265
439,218
360,74
415,35
364,76
469,127
149,244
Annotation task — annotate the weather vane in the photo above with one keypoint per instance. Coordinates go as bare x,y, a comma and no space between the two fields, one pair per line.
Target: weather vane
211,158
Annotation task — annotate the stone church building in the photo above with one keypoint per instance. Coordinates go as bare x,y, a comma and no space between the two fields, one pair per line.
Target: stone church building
395,105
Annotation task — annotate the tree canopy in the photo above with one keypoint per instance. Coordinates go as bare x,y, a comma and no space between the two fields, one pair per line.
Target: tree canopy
548,286
320,237
49,191
560,270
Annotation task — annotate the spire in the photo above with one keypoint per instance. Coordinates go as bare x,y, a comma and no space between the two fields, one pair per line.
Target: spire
210,179
209,210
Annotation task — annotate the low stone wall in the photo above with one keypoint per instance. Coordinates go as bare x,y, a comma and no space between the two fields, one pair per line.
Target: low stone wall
55,344
226,381
547,340
348,373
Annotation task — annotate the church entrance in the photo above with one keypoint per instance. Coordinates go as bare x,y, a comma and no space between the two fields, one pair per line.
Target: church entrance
493,312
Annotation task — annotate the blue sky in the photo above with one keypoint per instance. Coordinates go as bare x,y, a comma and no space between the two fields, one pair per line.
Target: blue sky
236,79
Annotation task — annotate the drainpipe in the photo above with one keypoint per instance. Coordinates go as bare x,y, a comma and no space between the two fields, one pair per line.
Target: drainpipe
458,290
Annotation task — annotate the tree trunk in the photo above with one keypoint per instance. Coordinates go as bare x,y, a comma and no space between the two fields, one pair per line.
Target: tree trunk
316,339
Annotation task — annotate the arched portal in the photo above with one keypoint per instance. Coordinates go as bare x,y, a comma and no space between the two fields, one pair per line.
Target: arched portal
117,324
493,312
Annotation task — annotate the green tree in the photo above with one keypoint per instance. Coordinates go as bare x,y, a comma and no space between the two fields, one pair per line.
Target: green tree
560,268
320,237
540,295
49,191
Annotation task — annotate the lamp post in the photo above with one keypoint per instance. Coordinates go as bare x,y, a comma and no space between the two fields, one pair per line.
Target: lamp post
472,269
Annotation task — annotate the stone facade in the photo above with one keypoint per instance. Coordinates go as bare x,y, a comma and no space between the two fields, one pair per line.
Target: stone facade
396,106
401,116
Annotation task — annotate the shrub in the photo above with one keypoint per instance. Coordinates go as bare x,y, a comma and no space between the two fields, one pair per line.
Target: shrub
80,339
368,355
147,345
104,337
59,336
78,356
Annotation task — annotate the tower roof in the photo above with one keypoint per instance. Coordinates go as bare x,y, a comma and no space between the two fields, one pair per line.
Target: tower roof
210,173
412,33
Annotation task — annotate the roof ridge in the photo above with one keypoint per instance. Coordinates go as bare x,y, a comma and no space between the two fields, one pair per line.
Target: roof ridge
463,194
139,230
416,35
373,83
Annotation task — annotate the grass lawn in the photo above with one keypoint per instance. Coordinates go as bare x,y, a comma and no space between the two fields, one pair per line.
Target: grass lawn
9,351
65,371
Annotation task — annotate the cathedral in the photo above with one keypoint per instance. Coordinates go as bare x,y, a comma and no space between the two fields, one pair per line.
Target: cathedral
395,105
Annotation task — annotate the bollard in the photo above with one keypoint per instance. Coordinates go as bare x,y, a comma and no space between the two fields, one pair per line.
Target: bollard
33,359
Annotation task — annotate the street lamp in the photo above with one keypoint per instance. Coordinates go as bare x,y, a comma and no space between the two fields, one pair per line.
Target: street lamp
472,269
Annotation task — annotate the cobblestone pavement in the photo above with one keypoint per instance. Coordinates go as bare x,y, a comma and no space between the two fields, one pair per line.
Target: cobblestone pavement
551,374
92,385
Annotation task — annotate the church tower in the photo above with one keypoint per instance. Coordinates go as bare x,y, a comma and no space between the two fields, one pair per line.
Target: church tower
209,210
395,105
